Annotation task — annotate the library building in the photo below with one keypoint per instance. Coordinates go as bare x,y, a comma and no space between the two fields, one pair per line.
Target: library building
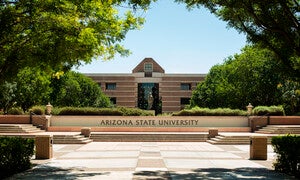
148,87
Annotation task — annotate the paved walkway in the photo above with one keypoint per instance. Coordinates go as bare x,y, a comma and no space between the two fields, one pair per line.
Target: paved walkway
152,160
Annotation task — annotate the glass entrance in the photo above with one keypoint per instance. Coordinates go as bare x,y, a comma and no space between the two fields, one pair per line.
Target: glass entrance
148,97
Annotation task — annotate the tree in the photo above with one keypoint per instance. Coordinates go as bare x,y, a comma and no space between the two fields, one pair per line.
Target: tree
290,96
30,87
7,95
51,34
249,77
33,88
75,89
271,24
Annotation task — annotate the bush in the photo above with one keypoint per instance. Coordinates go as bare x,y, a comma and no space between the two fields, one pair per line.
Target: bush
119,111
15,111
287,149
38,110
135,112
268,110
196,111
15,155
89,111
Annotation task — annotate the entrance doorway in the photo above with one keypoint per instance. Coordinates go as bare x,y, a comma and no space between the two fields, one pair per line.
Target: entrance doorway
148,97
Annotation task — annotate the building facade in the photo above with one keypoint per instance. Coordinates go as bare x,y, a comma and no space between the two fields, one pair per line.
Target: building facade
148,87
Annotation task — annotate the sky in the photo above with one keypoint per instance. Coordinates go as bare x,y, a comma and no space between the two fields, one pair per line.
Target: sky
181,41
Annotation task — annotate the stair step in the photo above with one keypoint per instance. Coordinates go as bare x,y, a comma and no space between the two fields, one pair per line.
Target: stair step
19,128
223,140
149,137
280,129
70,139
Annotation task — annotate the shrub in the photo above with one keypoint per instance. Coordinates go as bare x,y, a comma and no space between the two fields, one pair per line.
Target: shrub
135,112
38,110
15,155
196,111
89,111
15,111
119,111
268,110
287,149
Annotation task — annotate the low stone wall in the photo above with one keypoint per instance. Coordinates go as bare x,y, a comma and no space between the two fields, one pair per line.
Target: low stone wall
146,129
14,119
257,122
149,123
285,120
36,120
41,121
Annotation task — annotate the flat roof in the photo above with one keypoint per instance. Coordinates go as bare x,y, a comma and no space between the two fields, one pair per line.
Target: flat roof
132,74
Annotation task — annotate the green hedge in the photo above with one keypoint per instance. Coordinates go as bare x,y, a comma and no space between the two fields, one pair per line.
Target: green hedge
287,149
196,111
89,111
135,112
268,110
38,110
15,155
119,111
15,111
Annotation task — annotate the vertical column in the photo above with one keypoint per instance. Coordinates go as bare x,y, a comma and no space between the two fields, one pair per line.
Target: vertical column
258,148
44,149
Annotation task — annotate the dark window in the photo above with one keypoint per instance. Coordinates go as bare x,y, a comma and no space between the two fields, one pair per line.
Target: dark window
148,67
110,86
148,74
185,101
99,84
185,86
113,100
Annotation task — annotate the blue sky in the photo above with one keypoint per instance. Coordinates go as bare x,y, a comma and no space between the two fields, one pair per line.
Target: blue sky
181,41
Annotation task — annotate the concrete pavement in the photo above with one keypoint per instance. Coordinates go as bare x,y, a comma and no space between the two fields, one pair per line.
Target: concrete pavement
152,160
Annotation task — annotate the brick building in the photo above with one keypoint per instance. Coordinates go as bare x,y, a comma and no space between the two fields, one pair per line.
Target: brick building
148,87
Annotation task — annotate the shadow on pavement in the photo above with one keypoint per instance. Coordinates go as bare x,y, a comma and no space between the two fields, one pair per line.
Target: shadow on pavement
215,173
48,172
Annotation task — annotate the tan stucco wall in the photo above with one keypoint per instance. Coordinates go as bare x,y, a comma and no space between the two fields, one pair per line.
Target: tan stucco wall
150,121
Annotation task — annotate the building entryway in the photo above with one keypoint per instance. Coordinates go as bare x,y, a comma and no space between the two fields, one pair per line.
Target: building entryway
148,97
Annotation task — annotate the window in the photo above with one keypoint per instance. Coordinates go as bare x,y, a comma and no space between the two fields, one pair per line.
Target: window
185,86
148,67
110,86
99,84
148,74
113,100
185,101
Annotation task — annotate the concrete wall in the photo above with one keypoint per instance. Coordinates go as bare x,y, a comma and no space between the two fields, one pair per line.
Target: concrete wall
14,119
150,123
257,122
40,121
285,120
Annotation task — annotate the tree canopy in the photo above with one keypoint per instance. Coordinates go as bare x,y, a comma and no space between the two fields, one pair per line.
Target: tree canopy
34,87
52,34
77,90
249,77
273,24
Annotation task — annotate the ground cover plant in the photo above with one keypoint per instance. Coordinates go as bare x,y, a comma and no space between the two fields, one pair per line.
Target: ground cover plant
268,110
15,155
197,111
287,149
117,111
